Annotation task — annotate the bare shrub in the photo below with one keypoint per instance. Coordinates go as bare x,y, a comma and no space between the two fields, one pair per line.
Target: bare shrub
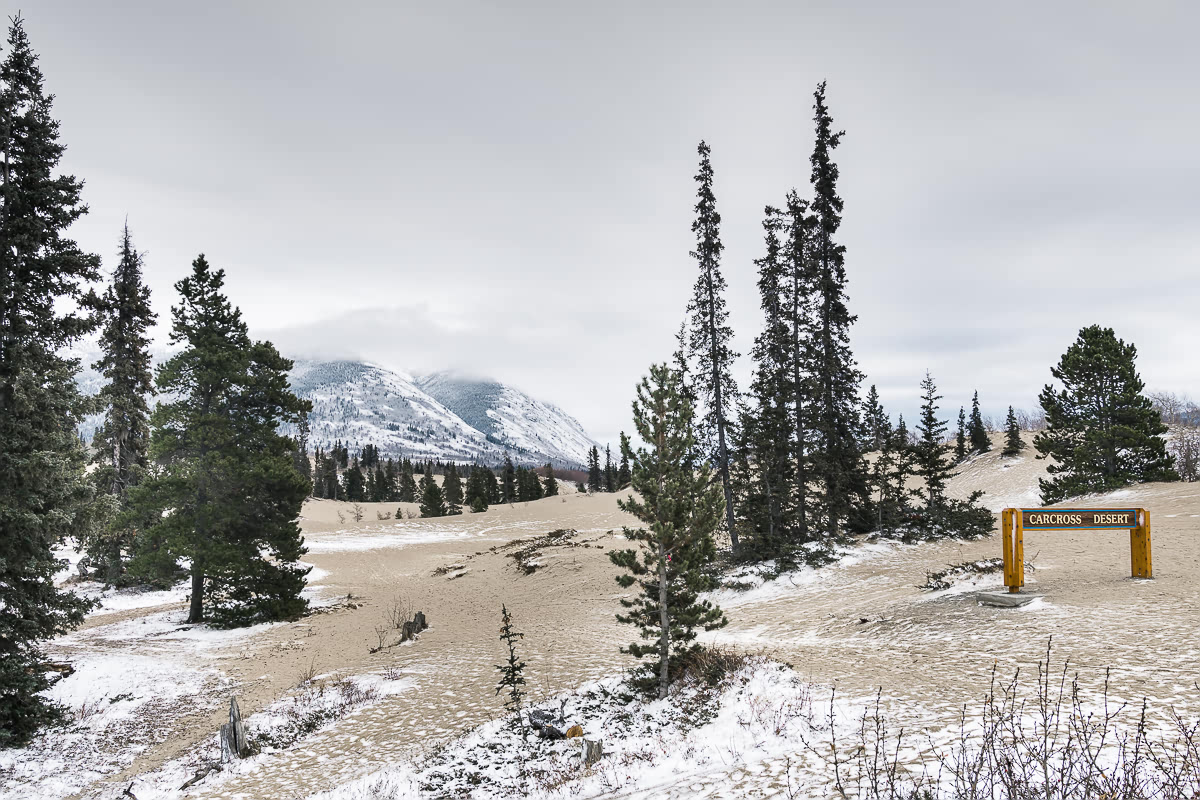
381,635
358,513
1054,743
382,515
399,611
341,517
316,704
1184,445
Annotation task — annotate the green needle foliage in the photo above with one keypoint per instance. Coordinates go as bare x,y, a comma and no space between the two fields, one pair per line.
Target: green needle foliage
681,508
1101,432
227,494
511,678
44,494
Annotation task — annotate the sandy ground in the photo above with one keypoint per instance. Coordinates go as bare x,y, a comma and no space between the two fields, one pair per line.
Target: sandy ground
860,625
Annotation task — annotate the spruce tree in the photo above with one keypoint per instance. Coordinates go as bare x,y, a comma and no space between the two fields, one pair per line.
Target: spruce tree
44,493
122,441
876,426
681,509
512,680
408,484
355,483
595,479
837,469
551,488
303,465
767,429
930,451
623,474
228,476
960,440
492,483
477,489
710,335
1102,432
610,471
976,430
433,501
798,285
508,482
452,488
1013,444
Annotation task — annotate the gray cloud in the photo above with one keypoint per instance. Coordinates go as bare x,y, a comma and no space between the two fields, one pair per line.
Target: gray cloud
508,187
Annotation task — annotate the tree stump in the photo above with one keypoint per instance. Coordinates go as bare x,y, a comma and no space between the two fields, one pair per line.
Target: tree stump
419,619
591,752
233,734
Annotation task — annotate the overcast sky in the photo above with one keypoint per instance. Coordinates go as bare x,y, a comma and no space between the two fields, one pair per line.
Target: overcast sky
508,188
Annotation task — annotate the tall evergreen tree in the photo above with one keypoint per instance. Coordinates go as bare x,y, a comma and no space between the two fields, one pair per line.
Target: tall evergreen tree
595,476
492,484
1102,432
610,471
710,334
976,430
681,509
228,476
551,488
408,483
433,501
960,439
768,428
452,488
876,426
476,497
303,465
799,285
507,481
355,482
44,494
122,441
930,451
1013,444
836,463
623,473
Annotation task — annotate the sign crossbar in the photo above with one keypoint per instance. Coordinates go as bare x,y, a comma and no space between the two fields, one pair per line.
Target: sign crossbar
1015,521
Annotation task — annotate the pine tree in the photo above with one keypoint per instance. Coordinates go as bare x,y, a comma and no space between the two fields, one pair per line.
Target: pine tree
551,489
595,477
511,678
710,334
228,476
837,467
508,482
44,493
492,484
681,508
767,429
976,430
433,501
960,440
408,484
610,471
1101,432
452,488
355,483
1013,444
303,465
390,477
477,490
623,474
876,426
122,441
799,286
931,451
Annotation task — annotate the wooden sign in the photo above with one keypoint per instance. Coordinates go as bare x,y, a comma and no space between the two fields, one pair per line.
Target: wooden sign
1015,521
1078,518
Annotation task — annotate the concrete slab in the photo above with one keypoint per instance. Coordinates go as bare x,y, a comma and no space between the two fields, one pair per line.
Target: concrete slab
1005,599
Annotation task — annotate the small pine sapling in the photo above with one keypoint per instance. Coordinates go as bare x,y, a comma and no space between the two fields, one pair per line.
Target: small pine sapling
511,678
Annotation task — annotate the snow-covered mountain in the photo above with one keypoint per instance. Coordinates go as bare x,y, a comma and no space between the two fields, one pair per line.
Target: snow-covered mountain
510,417
361,403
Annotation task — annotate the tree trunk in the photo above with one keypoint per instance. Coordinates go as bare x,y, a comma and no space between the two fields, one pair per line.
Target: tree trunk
196,609
719,409
664,621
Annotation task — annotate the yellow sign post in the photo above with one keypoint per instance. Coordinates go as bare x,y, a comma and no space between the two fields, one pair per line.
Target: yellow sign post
1015,521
